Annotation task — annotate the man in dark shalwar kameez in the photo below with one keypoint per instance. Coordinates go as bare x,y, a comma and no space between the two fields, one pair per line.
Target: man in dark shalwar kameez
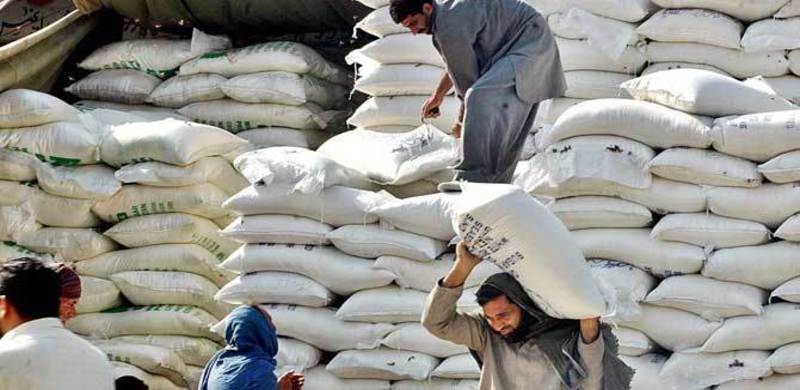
502,60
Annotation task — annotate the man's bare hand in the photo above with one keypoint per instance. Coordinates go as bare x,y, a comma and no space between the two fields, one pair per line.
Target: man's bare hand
430,109
291,381
465,258
456,131
465,263
590,330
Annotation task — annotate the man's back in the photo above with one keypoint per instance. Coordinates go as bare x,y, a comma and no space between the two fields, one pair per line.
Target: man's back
43,355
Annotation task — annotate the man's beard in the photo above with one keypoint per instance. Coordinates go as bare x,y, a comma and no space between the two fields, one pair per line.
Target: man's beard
428,30
521,332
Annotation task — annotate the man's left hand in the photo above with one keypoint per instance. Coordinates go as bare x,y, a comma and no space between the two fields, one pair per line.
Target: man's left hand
590,330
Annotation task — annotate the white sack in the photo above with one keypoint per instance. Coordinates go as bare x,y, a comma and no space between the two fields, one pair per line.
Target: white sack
786,359
645,122
592,84
336,205
398,79
303,170
51,210
154,56
72,244
136,200
97,295
415,338
579,24
550,110
585,212
747,10
152,320
304,324
121,369
153,359
598,160
766,266
437,384
193,350
705,93
770,204
778,326
693,25
237,116
580,55
461,366
341,273
533,246
393,159
636,247
691,370
735,62
403,48
792,8
623,285
275,287
26,108
278,229
711,299
705,167
297,355
675,330
170,288
180,91
17,166
384,304
319,378
116,85
169,141
85,182
173,228
283,88
383,364
371,241
175,257
710,231
214,170
429,215
786,86
17,221
270,56
423,276
772,34
789,291
403,110
633,342
59,143
380,24
794,61
758,137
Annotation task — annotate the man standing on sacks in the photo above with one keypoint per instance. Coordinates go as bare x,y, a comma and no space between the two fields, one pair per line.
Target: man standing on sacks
502,60
517,345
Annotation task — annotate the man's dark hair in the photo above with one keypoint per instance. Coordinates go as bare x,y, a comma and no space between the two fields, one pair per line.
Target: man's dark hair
31,287
487,293
401,9
128,382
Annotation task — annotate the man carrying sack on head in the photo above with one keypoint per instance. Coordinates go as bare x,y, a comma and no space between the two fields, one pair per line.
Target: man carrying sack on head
502,60
519,346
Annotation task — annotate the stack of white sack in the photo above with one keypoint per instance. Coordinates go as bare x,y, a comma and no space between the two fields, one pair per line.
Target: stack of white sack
272,94
743,40
344,270
680,211
166,218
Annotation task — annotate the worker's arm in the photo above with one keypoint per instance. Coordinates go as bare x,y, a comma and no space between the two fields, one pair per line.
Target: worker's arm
591,348
430,107
440,316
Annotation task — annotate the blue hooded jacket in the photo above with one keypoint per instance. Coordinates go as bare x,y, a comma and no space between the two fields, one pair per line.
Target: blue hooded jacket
248,361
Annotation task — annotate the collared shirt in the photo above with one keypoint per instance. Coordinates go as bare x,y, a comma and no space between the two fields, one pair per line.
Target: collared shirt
43,355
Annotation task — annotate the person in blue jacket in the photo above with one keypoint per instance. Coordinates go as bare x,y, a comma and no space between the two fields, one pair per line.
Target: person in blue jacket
248,360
